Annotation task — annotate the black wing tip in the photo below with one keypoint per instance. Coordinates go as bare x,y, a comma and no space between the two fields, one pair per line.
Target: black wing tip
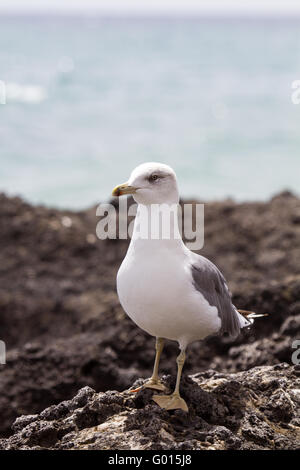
248,314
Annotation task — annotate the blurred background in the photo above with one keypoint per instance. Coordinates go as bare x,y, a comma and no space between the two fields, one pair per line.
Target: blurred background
93,88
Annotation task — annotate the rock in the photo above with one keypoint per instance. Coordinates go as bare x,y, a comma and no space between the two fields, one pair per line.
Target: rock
253,409
291,326
64,328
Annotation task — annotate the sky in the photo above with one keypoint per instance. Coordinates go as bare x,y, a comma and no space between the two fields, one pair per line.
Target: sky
151,6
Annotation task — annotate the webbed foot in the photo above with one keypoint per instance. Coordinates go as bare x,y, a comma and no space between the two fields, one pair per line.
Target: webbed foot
153,384
171,402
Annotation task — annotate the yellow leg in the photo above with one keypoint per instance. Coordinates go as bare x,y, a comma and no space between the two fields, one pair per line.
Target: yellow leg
174,401
154,382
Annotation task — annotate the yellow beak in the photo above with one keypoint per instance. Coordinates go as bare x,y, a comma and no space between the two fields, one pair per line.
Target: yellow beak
123,189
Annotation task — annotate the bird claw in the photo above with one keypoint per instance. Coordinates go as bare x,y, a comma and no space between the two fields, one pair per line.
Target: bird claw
170,402
135,390
155,385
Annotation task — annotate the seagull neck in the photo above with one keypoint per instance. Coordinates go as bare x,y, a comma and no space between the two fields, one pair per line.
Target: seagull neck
157,222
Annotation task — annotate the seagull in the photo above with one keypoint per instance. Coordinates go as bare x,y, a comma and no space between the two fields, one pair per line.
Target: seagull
166,289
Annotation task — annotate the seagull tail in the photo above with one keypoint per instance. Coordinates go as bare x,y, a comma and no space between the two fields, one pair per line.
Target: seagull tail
252,315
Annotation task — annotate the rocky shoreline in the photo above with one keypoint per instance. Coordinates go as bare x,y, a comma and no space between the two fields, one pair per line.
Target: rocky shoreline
252,410
64,329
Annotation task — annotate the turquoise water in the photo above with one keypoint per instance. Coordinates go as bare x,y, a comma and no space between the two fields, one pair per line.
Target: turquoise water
87,99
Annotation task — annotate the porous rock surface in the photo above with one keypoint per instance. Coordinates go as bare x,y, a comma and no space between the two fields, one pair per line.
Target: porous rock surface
255,409
64,328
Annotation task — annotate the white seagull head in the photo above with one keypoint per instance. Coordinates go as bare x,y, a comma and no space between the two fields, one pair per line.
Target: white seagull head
151,183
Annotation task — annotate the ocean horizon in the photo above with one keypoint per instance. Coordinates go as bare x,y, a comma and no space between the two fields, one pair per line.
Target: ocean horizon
89,98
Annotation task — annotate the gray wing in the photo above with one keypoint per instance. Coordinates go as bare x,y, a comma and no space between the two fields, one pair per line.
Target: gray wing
210,282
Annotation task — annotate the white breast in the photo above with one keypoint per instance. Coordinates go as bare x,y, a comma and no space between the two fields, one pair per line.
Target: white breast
155,289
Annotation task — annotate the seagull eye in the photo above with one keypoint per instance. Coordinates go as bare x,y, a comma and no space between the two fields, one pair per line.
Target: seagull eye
153,178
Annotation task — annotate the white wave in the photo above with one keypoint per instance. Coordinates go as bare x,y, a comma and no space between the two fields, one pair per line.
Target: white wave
25,93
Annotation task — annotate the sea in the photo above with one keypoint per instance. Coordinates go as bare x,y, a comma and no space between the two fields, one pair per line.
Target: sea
85,99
